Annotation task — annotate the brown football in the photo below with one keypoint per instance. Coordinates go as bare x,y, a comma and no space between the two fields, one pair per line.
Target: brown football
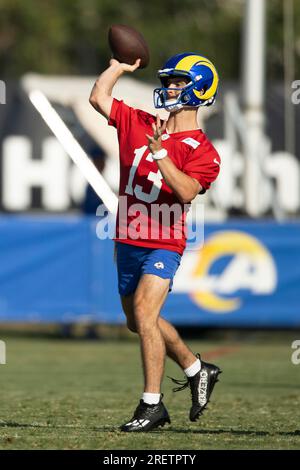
127,45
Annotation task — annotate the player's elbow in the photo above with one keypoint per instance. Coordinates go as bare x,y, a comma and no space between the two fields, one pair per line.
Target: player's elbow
95,100
101,102
184,200
187,196
98,95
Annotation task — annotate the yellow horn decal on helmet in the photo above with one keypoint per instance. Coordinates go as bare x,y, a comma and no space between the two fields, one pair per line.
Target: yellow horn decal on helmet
213,88
187,62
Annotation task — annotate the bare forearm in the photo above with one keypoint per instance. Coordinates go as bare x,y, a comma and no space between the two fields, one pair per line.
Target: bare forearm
184,187
107,80
100,97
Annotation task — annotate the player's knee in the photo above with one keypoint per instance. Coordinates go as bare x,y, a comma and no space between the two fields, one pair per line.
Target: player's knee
140,307
145,326
144,321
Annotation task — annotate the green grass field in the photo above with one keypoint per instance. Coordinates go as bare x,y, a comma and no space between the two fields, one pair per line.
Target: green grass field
73,394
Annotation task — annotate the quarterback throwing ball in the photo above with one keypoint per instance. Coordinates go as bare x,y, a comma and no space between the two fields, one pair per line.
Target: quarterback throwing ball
163,165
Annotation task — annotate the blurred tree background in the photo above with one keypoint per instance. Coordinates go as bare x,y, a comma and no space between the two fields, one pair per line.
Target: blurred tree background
70,36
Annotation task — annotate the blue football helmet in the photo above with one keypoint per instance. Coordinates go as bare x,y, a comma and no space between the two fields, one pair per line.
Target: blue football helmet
202,82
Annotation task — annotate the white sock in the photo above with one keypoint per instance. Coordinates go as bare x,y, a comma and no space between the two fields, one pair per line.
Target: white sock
151,398
193,369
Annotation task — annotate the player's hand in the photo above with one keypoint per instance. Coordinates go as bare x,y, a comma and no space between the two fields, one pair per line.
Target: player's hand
125,67
154,142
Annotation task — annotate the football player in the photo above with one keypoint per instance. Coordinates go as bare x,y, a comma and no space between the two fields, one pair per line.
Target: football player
163,164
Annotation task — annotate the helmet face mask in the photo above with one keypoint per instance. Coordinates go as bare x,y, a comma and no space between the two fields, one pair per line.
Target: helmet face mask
163,100
200,90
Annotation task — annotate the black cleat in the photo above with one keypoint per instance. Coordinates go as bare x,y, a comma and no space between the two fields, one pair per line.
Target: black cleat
147,417
201,385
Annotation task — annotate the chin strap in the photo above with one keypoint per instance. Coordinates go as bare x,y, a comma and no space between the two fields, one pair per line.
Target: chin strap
172,107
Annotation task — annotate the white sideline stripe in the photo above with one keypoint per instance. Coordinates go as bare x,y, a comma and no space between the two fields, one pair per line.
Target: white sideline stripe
74,150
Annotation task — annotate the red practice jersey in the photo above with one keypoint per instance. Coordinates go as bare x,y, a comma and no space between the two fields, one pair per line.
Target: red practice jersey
144,218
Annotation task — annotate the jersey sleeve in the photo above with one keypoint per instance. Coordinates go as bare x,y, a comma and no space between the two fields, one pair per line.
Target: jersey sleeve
121,115
126,119
203,164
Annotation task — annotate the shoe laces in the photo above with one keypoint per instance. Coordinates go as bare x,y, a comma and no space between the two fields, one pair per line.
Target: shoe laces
184,383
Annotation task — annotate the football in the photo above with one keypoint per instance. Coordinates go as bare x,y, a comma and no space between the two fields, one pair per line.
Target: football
127,45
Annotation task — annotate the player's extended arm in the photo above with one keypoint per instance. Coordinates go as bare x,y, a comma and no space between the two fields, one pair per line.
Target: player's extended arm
185,187
100,97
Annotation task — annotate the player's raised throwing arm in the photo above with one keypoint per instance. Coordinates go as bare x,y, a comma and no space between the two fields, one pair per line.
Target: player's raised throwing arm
100,97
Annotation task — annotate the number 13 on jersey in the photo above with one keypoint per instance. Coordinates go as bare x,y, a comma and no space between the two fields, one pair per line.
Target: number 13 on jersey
155,178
